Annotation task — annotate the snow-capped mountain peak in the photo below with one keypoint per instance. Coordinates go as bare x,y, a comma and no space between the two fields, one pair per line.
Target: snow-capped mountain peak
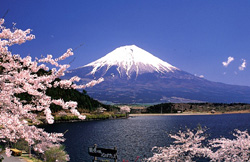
130,59
133,75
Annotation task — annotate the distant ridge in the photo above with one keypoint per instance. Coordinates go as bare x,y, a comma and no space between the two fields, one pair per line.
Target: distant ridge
133,75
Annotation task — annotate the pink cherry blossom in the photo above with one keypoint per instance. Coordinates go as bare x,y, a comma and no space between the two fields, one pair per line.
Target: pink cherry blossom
125,109
8,152
189,145
17,76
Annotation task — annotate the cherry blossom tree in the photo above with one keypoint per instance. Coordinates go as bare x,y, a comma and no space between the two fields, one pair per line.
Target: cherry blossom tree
189,146
237,149
19,76
125,109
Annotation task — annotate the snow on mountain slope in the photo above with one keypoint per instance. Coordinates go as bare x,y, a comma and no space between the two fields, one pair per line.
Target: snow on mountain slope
130,59
133,75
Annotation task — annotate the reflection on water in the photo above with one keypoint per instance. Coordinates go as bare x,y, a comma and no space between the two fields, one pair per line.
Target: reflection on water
136,136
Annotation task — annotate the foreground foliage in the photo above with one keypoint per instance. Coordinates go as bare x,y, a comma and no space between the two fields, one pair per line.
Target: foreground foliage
21,76
192,145
56,154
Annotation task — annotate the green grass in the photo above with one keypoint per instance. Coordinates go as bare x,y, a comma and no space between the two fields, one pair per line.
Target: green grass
65,118
89,117
97,116
32,159
118,115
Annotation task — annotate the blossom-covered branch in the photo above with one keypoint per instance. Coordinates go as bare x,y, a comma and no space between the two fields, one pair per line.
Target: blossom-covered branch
20,75
189,145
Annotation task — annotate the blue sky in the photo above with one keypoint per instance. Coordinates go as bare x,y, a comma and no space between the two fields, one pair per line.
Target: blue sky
193,35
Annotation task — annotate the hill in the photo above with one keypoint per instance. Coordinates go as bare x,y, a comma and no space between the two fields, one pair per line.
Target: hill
198,107
85,102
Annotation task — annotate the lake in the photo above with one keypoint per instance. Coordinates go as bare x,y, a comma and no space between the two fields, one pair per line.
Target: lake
136,136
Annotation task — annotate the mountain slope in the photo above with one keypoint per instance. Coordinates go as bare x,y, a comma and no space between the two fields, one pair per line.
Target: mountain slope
133,75
129,60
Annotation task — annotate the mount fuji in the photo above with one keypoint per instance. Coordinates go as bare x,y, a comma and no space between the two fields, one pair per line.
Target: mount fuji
133,75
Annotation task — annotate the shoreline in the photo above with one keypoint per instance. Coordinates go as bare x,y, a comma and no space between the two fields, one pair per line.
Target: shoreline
189,113
170,114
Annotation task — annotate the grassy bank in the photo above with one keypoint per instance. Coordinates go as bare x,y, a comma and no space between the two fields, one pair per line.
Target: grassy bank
89,117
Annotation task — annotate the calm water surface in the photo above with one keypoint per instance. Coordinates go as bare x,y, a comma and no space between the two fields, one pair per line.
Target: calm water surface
136,136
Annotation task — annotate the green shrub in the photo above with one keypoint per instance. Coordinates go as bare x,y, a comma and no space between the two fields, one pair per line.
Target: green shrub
1,148
56,154
22,145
